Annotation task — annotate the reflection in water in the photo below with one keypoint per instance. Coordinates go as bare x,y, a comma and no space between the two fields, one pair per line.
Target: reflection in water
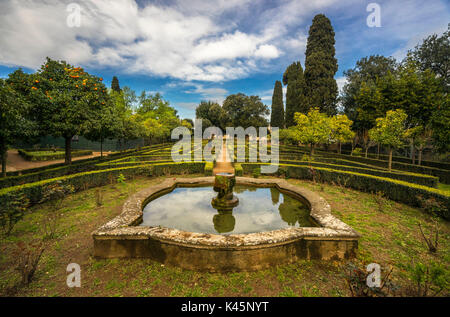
259,209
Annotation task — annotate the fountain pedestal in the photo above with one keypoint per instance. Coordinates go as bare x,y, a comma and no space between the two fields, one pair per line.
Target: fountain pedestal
223,184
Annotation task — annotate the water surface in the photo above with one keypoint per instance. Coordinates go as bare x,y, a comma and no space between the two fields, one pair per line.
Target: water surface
259,209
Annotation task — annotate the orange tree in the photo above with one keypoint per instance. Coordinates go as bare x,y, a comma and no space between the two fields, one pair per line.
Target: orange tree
69,101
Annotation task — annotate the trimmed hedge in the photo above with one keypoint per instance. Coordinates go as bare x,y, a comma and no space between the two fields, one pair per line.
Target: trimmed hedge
58,170
238,170
82,181
208,170
403,159
444,175
46,155
426,180
408,193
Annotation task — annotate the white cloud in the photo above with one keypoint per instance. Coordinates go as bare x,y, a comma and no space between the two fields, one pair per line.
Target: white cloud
180,41
341,81
216,94
214,40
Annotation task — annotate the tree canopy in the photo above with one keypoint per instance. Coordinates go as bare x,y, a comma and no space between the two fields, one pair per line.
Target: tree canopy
321,66
295,94
246,111
277,113
70,100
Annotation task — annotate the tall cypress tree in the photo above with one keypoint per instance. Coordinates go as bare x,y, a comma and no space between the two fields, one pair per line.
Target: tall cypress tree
295,94
321,66
277,114
115,84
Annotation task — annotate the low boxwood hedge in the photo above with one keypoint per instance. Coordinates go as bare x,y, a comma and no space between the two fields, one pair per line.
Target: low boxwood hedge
403,159
34,191
426,180
208,171
444,175
49,155
408,193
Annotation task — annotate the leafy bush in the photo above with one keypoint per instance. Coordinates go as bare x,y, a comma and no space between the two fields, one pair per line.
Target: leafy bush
357,151
430,279
55,194
256,172
238,169
12,211
209,168
48,155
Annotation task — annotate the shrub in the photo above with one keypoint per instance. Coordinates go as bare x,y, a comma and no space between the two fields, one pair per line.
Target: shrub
209,168
238,169
55,194
430,279
357,151
50,154
12,211
256,172
34,191
357,282
27,258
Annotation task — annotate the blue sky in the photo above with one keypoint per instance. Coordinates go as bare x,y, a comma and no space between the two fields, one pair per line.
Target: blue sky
193,50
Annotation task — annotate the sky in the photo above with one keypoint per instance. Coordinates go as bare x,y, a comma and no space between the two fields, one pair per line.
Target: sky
194,50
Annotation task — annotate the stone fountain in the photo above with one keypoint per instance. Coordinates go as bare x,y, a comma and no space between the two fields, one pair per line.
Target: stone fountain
225,201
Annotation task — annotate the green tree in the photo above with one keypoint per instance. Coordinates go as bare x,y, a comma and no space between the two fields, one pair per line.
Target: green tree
277,113
246,111
14,119
434,54
107,125
390,131
341,130
295,94
115,84
71,100
123,103
313,128
156,116
212,114
321,66
366,71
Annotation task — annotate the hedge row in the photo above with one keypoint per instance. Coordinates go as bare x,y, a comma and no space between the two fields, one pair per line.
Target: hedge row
444,175
34,191
408,193
58,170
426,180
41,155
208,170
402,159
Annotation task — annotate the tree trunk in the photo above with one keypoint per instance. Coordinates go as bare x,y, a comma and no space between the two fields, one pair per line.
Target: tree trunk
413,155
340,147
312,149
390,159
367,150
4,155
68,149
101,148
378,151
420,157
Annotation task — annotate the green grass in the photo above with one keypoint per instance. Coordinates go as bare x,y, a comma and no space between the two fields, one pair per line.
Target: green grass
390,237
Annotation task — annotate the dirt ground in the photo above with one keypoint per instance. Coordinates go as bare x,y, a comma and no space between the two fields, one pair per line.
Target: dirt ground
15,162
